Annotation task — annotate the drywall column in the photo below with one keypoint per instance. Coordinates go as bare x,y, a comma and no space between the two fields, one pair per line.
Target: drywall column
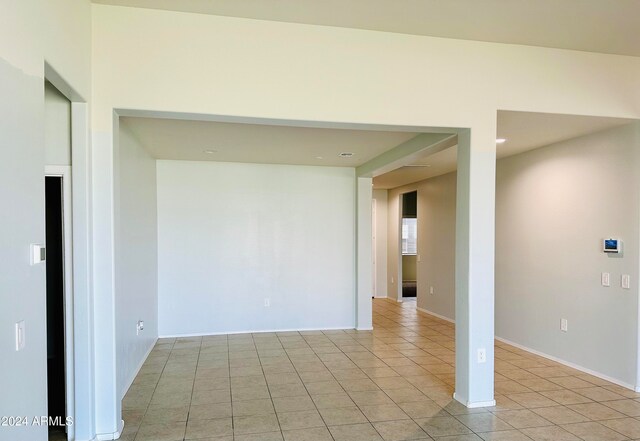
82,254
364,286
475,247
107,404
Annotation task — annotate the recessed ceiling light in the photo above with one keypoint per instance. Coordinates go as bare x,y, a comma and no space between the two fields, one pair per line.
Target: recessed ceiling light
345,154
501,140
209,152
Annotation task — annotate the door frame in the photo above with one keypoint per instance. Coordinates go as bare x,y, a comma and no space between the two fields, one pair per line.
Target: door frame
64,172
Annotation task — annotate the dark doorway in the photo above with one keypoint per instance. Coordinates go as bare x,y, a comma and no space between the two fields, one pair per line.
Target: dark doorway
56,383
409,243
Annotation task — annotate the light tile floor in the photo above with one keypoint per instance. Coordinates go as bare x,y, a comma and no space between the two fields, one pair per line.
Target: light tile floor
392,384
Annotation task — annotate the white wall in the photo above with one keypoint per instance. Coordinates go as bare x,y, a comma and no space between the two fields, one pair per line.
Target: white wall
136,251
436,241
57,127
554,206
380,234
31,32
231,235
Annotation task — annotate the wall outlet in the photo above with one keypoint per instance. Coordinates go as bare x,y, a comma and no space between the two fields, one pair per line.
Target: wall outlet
625,281
20,335
267,303
564,325
139,327
605,279
431,290
482,355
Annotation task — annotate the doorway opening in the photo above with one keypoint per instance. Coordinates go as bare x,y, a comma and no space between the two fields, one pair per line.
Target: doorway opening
55,280
409,245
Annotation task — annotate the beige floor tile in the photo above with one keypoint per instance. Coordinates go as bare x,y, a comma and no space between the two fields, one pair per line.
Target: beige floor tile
402,370
370,398
442,426
506,435
560,415
342,415
400,430
530,400
249,393
255,424
161,432
627,426
253,407
210,411
300,420
467,437
550,433
599,394
628,407
423,409
355,432
384,412
483,422
166,415
270,436
592,431
521,419
293,404
197,429
330,401
596,411
315,434
565,396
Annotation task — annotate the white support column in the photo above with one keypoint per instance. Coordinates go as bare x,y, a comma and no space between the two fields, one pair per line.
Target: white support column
108,404
475,248
364,259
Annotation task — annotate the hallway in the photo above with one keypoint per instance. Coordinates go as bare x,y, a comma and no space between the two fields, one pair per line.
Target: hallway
392,384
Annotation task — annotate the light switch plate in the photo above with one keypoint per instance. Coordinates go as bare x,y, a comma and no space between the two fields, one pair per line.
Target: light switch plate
37,253
605,279
626,281
564,325
20,335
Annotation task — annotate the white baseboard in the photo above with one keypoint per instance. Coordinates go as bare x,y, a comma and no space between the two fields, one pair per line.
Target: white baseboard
426,311
571,365
261,331
366,328
475,404
132,379
379,297
111,436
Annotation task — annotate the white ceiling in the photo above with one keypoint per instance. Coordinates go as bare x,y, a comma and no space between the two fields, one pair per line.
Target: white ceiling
236,142
523,131
607,26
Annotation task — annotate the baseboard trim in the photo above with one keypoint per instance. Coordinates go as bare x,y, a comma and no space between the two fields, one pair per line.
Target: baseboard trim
132,379
366,328
476,404
379,297
570,364
262,331
111,436
442,317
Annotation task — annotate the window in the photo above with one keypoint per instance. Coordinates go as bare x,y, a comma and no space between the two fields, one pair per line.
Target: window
409,236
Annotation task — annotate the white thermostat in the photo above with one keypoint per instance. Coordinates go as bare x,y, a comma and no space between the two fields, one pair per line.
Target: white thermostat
613,246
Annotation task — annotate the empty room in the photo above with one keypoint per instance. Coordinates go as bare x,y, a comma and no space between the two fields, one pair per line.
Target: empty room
310,221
